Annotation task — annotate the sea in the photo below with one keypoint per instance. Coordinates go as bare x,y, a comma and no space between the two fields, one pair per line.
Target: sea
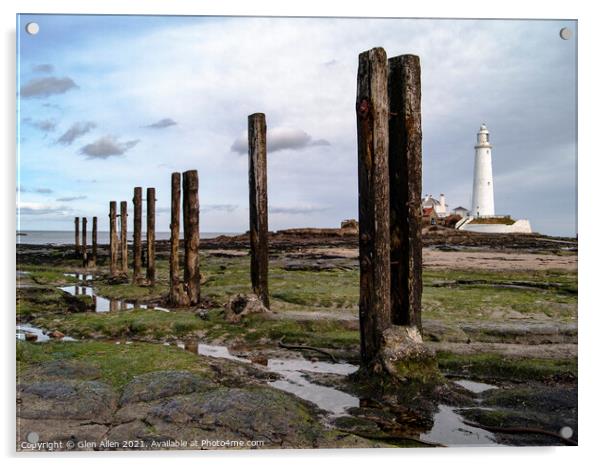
68,237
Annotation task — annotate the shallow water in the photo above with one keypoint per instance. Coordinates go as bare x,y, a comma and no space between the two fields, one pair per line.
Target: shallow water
449,429
22,329
293,378
474,387
106,304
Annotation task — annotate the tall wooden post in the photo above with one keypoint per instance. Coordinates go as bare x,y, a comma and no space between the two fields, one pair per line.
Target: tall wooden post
372,111
84,242
192,275
92,262
177,296
124,237
137,201
77,247
258,206
405,173
150,235
113,237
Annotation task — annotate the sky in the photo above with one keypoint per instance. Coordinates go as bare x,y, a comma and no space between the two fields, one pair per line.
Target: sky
107,103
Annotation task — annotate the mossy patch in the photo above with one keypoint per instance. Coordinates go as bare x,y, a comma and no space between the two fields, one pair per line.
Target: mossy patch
495,366
117,364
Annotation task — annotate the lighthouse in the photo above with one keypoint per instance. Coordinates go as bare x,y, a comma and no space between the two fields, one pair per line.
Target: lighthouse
482,186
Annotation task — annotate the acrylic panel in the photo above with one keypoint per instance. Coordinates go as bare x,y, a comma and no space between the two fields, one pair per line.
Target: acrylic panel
276,232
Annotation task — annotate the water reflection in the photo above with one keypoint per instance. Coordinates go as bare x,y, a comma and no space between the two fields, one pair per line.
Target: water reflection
102,304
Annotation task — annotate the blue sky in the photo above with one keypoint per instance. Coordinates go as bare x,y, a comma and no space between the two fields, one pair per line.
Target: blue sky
111,102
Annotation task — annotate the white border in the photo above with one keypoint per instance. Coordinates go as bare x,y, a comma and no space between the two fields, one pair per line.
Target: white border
589,224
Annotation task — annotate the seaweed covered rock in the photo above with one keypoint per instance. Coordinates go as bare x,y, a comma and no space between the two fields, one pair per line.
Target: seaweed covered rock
404,356
162,384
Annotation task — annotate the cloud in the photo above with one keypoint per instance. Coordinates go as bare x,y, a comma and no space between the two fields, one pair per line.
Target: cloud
34,208
45,87
297,210
164,123
107,146
219,208
77,129
71,198
281,139
43,125
23,189
43,68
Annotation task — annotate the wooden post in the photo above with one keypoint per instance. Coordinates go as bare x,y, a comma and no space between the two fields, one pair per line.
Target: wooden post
124,237
150,235
258,206
92,262
372,110
113,237
192,275
137,200
405,174
177,296
77,247
84,242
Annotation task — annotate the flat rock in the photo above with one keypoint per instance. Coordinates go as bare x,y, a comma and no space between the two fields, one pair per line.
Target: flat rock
67,399
162,384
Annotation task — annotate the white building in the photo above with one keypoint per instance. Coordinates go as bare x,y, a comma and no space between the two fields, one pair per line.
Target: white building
482,218
438,205
482,186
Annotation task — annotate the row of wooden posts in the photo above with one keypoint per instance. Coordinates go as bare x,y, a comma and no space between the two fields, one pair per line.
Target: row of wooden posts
186,292
389,132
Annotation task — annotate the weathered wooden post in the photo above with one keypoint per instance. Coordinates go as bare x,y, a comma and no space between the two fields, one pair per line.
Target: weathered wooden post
177,296
258,206
77,247
150,235
137,201
113,237
124,237
372,109
84,242
405,173
92,262
192,275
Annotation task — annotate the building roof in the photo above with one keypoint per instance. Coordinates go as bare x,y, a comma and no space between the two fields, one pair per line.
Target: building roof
461,208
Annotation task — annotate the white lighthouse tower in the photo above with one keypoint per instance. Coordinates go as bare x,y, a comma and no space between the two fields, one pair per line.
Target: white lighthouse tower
482,187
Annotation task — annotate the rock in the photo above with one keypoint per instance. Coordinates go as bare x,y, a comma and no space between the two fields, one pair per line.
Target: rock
67,399
202,314
404,355
242,305
162,384
56,334
31,337
314,265
259,359
259,413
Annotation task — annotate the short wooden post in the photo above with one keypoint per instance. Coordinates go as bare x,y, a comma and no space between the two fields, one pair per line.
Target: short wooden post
372,111
192,275
92,262
405,173
177,296
150,236
84,242
113,237
137,201
258,206
77,246
124,236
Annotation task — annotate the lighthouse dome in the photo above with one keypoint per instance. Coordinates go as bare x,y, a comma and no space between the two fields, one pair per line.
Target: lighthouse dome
483,127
